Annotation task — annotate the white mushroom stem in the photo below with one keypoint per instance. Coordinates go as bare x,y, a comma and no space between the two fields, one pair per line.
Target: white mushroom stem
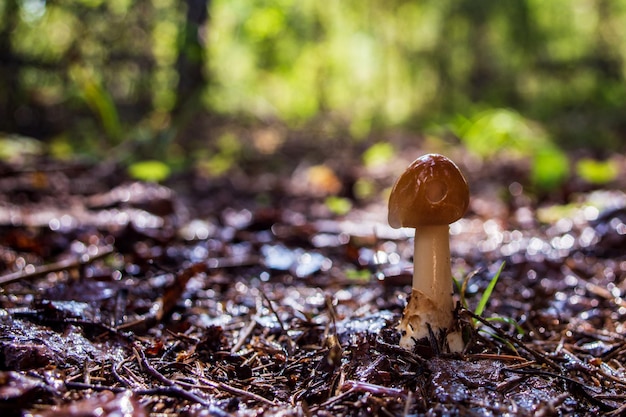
431,272
431,303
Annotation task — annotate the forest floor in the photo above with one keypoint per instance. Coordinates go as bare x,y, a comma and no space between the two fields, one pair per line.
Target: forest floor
251,295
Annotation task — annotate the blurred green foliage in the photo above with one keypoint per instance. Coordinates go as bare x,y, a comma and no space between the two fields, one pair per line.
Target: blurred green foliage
376,65
550,168
18,149
597,172
505,133
222,156
149,170
527,77
380,153
495,131
338,205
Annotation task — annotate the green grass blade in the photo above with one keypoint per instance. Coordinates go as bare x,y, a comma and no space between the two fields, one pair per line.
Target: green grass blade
462,287
485,297
510,321
459,287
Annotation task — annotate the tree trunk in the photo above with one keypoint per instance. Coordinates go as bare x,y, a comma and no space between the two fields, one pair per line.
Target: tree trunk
9,74
191,58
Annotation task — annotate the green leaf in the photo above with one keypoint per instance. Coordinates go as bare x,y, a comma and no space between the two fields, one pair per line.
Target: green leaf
338,205
597,172
508,320
380,153
150,170
100,101
462,287
485,297
497,130
550,168
16,148
358,275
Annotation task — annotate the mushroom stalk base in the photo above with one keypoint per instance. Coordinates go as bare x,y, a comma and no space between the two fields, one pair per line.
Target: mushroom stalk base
422,319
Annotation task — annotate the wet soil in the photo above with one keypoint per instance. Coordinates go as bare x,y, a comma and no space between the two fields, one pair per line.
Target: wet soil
248,296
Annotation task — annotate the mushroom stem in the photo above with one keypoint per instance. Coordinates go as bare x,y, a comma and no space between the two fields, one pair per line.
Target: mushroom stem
431,259
430,309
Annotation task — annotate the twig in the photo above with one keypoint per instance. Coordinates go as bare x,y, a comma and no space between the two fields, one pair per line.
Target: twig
375,389
495,356
305,409
172,386
122,380
92,387
604,293
151,370
271,307
618,411
55,267
230,389
508,385
173,292
538,356
176,391
170,391
333,400
243,336
407,404
587,391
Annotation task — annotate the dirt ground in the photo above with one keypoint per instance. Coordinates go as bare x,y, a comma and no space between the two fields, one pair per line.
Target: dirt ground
254,295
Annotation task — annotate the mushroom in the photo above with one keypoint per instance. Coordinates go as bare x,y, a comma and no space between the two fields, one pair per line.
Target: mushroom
428,196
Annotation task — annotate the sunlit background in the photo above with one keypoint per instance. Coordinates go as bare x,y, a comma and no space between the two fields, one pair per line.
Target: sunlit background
163,80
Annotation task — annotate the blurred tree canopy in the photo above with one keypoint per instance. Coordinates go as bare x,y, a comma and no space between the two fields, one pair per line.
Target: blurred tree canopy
96,74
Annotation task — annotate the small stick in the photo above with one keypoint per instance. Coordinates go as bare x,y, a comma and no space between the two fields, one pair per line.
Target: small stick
170,391
499,357
55,267
151,370
537,372
604,293
618,411
121,379
271,307
243,336
407,404
375,389
92,387
174,386
222,386
541,358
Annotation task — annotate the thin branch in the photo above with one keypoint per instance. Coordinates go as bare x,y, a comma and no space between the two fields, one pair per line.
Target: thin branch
169,391
243,336
222,386
536,355
55,267
173,387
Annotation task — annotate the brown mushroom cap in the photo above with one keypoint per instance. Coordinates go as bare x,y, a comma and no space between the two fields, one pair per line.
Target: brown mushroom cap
432,191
